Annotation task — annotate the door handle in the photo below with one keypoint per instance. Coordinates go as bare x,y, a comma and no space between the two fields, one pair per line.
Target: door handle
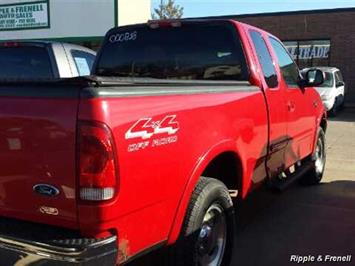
315,104
291,106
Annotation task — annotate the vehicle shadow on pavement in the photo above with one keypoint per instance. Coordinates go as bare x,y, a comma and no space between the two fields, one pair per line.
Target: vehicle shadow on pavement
316,220
346,115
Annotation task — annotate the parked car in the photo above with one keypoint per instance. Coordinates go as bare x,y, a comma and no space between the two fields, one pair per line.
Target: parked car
178,119
332,91
44,60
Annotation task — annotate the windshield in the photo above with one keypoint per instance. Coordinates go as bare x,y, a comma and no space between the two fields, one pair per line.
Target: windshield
194,51
25,62
328,80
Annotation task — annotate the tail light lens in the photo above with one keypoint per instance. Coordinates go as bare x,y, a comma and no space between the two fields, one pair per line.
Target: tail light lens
97,166
154,24
10,44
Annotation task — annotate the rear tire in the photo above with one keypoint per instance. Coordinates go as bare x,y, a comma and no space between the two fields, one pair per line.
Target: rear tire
334,111
318,159
207,235
341,107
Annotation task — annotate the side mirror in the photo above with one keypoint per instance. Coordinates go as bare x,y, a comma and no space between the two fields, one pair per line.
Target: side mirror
313,78
340,84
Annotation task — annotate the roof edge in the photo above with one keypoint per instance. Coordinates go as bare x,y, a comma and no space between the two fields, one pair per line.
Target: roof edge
282,13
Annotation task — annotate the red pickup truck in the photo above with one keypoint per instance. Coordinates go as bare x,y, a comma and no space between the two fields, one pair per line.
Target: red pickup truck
178,118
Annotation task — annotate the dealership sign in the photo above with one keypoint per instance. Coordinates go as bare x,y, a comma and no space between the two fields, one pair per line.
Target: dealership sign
22,16
309,51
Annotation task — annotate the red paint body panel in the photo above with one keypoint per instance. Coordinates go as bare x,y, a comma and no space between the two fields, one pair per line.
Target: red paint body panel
158,171
154,179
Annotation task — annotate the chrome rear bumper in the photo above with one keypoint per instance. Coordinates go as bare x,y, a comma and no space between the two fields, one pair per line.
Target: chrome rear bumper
25,243
68,252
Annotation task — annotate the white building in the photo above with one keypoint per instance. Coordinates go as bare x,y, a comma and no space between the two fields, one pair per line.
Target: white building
79,21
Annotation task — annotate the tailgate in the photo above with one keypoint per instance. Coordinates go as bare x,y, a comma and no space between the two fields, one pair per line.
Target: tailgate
37,152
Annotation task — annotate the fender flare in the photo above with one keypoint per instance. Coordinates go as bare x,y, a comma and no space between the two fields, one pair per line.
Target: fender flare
224,146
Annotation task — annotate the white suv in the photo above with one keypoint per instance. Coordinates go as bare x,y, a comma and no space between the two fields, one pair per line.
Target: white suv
332,91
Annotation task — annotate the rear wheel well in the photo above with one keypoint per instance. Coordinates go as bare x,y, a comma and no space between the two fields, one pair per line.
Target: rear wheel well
227,168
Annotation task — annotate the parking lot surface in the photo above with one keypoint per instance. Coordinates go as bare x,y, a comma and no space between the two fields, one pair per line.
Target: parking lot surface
305,221
317,220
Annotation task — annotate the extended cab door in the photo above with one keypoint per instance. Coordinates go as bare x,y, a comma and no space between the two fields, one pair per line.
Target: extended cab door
301,106
275,98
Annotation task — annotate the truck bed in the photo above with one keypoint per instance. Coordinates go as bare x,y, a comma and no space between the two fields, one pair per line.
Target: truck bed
48,113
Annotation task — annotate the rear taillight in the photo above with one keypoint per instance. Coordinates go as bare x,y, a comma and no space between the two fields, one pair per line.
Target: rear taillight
97,167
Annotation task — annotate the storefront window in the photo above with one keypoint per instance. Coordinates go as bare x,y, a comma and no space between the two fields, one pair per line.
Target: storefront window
309,53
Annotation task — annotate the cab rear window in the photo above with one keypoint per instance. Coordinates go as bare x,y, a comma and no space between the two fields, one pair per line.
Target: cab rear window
193,51
25,62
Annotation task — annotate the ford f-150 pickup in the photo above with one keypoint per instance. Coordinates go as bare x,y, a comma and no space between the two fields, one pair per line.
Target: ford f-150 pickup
179,120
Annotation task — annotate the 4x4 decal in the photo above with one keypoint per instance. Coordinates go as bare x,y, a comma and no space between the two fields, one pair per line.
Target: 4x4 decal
145,128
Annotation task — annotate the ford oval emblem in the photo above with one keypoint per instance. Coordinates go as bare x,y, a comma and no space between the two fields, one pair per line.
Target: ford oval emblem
46,190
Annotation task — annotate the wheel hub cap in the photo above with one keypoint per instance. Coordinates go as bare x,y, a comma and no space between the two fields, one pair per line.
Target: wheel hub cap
212,237
319,163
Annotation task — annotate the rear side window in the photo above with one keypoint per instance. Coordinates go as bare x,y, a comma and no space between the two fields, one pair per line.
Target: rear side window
193,51
328,80
25,62
339,76
288,67
83,62
264,59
